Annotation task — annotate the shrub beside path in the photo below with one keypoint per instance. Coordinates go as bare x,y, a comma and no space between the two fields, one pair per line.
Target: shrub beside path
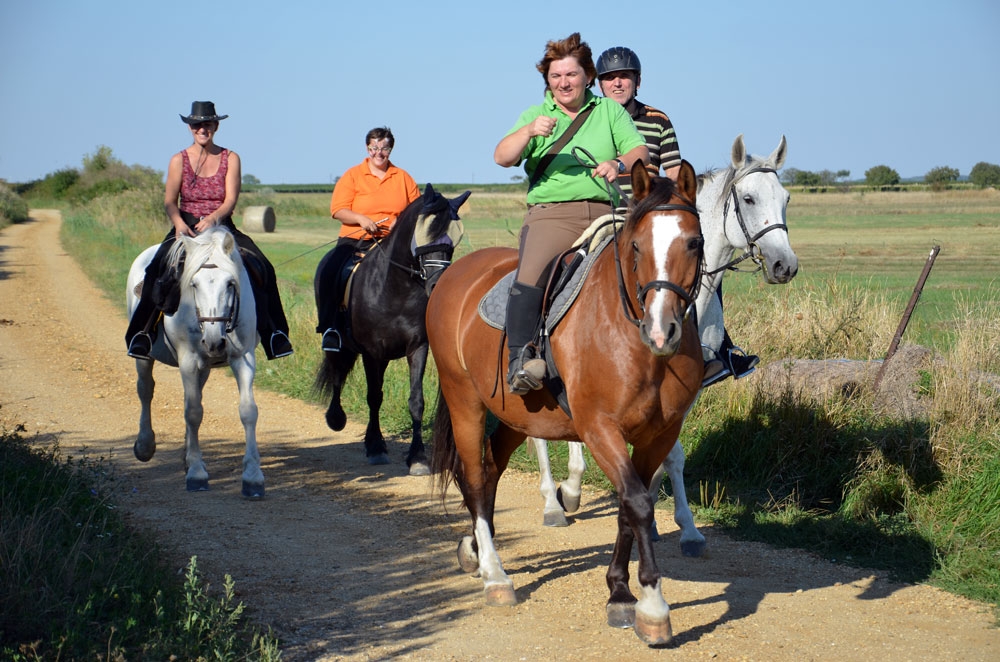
351,562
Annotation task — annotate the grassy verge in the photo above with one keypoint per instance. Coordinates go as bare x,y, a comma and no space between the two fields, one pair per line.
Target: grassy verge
79,583
916,497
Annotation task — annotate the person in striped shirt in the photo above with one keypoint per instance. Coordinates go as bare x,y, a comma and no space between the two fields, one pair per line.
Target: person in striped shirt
620,74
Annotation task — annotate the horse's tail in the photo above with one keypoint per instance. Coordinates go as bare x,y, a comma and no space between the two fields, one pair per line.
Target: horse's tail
446,466
332,372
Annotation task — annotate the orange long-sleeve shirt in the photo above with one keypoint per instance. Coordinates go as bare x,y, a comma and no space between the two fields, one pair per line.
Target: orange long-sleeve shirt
361,191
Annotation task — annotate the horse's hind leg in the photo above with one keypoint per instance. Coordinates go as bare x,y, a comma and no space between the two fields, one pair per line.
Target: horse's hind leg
145,442
375,448
333,372
253,477
552,511
194,383
416,459
569,490
692,541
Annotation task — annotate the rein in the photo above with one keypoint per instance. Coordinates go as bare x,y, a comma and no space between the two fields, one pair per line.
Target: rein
643,290
751,252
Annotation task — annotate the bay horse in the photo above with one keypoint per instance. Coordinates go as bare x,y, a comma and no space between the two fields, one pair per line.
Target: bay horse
629,358
215,325
387,301
743,209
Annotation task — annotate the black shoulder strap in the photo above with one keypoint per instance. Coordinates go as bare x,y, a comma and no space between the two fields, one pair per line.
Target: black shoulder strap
559,144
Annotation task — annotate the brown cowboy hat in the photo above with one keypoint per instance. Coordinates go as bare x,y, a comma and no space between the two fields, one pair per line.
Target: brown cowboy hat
202,111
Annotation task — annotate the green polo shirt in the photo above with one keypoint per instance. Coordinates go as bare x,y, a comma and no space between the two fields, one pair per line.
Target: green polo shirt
608,132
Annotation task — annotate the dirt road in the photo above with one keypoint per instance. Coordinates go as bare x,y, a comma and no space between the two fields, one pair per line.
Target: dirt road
351,562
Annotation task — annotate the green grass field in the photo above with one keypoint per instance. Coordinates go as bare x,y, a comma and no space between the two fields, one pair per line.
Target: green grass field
919,498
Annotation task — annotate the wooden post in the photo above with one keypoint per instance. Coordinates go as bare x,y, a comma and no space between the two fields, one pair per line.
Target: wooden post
906,315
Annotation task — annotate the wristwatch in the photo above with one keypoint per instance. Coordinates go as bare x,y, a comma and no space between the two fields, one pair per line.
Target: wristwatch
621,166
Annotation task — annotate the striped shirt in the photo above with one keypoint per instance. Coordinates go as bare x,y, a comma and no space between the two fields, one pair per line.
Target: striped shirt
656,128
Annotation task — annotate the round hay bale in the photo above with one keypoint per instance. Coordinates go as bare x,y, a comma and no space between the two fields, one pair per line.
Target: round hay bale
258,219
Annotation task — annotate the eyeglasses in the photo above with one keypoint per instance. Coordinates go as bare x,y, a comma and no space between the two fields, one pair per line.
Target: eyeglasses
375,150
202,125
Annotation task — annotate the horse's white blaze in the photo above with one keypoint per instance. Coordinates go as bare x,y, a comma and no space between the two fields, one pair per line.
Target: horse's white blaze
666,228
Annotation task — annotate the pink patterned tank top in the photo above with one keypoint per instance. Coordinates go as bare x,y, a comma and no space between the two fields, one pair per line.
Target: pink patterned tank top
201,196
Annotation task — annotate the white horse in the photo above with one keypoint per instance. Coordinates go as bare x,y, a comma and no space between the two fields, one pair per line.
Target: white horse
214,325
742,208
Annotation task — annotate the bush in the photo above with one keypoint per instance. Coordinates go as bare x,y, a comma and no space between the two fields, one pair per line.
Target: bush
939,178
881,175
985,174
12,208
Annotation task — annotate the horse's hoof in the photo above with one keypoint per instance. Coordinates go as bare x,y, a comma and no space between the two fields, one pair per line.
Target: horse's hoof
468,560
420,469
569,502
654,533
253,491
653,632
694,548
500,595
197,484
554,518
381,458
621,614
145,455
336,420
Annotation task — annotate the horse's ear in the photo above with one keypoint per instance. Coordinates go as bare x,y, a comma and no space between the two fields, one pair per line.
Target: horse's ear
687,182
739,153
429,194
640,181
456,204
777,157
229,243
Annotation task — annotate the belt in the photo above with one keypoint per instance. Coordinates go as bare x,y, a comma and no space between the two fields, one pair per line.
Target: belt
594,201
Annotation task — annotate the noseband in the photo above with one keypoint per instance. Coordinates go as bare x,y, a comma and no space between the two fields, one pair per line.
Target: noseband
234,310
752,251
688,296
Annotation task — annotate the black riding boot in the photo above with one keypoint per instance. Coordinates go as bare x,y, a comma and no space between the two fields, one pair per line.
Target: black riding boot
525,370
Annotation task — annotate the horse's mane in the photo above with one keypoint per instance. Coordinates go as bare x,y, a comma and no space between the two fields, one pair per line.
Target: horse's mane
730,173
201,249
661,190
407,220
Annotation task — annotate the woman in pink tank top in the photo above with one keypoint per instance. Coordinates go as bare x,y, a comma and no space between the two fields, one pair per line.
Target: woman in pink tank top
203,186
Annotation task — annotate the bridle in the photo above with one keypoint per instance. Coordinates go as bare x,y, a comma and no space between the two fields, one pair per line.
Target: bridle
234,309
428,268
688,296
752,251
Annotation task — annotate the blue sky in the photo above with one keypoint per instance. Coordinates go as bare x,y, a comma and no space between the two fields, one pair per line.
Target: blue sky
912,85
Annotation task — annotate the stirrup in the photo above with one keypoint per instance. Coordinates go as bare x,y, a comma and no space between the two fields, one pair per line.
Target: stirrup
331,341
715,371
740,363
141,346
280,345
526,374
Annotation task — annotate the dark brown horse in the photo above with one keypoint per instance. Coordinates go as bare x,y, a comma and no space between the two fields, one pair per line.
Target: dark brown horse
630,359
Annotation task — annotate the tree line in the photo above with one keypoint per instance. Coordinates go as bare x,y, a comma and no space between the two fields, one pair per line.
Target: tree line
982,175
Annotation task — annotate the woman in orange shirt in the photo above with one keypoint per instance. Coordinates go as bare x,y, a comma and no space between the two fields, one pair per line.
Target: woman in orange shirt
366,200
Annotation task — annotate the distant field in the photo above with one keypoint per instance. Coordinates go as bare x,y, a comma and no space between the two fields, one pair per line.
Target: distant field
877,241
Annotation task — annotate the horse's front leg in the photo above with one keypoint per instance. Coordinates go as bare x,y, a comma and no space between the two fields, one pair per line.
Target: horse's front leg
569,490
244,369
416,459
375,448
193,377
145,442
650,616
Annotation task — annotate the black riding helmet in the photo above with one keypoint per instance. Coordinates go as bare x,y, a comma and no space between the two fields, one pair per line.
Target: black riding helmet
618,58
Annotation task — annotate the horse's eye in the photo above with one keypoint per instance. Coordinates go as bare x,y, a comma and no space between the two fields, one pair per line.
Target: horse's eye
748,199
695,244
